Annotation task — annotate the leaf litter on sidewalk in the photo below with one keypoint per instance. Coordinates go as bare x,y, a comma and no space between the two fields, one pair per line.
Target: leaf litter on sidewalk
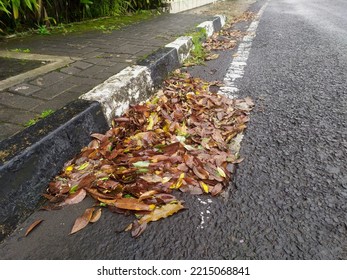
177,140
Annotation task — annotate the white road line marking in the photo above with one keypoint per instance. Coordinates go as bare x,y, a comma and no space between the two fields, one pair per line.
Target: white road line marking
236,69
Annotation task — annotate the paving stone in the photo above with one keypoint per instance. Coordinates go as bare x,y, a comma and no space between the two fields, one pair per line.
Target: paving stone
82,88
70,70
8,129
15,116
81,65
58,102
49,79
25,89
92,71
101,61
18,101
83,81
116,68
129,49
54,90
92,54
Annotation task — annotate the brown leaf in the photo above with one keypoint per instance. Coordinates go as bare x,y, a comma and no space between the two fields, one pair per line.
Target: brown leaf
82,221
86,181
50,207
147,194
32,226
96,216
137,229
132,204
217,189
74,198
98,136
151,178
161,212
200,172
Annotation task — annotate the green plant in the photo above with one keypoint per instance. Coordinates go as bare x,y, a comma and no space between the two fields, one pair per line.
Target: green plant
23,15
198,54
20,50
41,116
42,30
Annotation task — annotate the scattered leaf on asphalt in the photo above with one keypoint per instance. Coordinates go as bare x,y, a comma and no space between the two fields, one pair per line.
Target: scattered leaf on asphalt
96,216
32,226
82,221
162,212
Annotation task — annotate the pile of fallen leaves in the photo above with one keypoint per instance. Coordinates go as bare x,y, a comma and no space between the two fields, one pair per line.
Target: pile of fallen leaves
226,39
178,140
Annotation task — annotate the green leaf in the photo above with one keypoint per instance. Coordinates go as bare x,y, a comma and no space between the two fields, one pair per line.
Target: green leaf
83,166
104,178
128,196
140,164
142,170
73,189
103,204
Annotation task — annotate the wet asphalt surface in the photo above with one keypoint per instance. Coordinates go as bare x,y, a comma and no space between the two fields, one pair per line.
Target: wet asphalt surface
288,197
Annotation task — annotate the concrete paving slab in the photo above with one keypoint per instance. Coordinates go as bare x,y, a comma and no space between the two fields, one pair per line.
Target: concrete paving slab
17,101
25,89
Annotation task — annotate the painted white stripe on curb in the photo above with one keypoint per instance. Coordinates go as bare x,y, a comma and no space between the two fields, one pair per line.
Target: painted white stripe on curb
132,85
183,45
208,25
236,69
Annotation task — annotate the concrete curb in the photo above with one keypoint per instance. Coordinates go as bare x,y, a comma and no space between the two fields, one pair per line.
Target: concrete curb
32,157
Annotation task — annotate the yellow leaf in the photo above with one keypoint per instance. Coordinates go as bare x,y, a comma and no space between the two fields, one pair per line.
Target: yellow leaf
152,121
221,172
166,127
162,212
69,168
179,182
204,187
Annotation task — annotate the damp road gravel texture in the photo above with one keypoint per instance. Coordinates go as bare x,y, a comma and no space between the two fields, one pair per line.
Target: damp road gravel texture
288,199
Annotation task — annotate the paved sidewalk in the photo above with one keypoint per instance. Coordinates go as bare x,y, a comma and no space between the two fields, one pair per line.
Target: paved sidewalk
94,56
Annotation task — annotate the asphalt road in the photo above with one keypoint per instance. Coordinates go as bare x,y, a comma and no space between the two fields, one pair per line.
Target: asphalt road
288,198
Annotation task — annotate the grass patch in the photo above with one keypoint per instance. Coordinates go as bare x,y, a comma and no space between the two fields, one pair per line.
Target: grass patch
104,24
41,116
198,54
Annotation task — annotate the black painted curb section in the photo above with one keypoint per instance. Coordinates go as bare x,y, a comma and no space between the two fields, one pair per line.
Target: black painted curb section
161,63
32,157
217,25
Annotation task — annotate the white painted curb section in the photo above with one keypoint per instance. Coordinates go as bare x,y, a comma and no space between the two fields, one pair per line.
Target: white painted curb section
183,45
208,25
119,91
134,83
